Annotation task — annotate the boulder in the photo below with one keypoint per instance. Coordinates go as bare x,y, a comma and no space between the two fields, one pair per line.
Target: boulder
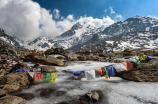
58,50
14,81
11,87
72,58
49,51
141,76
49,60
145,72
12,100
96,97
48,69
60,57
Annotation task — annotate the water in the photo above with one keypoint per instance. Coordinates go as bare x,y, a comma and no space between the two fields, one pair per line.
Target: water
115,90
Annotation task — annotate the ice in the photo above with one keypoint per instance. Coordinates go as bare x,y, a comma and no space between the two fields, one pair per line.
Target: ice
56,55
116,90
83,65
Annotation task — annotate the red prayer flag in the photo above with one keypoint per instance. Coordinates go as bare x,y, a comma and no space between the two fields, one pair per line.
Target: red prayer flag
128,65
38,76
101,71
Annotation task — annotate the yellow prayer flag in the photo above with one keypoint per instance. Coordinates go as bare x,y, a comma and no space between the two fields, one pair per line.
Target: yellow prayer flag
53,76
106,74
142,57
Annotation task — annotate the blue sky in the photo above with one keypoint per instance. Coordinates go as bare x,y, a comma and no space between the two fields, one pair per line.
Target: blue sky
95,8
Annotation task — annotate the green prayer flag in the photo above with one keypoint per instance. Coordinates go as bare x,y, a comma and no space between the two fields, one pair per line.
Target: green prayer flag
135,60
46,77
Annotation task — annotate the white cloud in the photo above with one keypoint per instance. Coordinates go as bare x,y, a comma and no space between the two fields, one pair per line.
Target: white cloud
152,16
27,20
106,21
56,13
119,16
111,10
105,10
4,2
70,17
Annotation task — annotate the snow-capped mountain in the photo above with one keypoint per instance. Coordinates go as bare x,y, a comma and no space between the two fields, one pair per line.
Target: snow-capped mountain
134,24
137,23
85,35
79,33
142,39
6,39
40,43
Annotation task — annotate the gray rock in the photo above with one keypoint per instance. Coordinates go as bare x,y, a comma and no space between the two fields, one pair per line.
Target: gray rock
12,100
48,69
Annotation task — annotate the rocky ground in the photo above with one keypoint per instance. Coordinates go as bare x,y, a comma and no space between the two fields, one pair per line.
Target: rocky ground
12,58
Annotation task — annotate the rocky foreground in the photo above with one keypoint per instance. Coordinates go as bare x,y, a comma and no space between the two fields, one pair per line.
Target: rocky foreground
12,58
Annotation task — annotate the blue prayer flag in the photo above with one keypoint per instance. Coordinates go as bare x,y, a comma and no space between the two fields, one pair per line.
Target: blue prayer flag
110,71
77,73
149,57
20,70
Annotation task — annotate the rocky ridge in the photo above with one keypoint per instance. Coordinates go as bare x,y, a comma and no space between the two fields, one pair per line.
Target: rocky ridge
6,39
133,40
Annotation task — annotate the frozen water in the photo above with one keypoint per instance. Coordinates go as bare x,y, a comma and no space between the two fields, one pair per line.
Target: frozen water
115,90
56,55
83,65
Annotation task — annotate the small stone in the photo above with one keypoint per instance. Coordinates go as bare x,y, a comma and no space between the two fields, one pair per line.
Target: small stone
89,95
95,95
75,77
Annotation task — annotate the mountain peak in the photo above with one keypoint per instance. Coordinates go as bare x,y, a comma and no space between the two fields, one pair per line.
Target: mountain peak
7,39
137,16
78,25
